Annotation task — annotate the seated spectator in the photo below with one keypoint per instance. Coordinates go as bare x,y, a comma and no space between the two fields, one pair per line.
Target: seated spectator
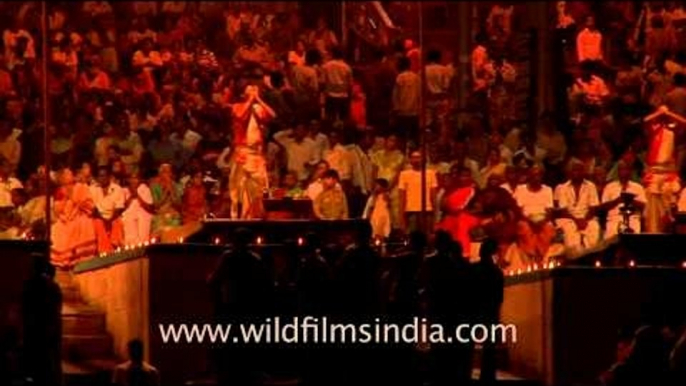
535,230
578,199
613,201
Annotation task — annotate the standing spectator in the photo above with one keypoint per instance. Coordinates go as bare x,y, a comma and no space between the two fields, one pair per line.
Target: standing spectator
301,152
438,80
675,100
108,200
589,42
410,187
167,200
337,78
578,199
42,324
612,201
490,293
73,235
378,210
536,230
194,199
138,210
331,203
406,96
322,38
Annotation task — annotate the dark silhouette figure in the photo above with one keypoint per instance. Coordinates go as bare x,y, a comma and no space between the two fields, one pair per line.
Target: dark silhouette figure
42,318
314,299
449,292
402,285
647,362
313,278
490,285
135,372
242,291
357,301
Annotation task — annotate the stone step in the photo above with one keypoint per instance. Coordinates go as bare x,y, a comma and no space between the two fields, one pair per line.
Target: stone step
88,373
70,294
81,347
70,309
83,323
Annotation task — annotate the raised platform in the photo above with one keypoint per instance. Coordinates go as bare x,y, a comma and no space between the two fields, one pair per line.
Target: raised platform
568,318
276,231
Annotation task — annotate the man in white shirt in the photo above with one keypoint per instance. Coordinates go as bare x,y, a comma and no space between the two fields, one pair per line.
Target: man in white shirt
138,210
536,231
612,201
410,189
337,79
339,158
589,42
108,199
578,200
301,151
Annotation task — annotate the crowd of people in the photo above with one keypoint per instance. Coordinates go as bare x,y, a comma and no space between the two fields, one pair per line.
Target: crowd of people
163,114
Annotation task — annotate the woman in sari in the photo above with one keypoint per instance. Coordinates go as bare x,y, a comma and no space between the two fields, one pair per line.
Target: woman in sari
166,198
73,236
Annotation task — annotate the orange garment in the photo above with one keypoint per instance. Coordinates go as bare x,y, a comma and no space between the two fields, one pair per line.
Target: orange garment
193,204
535,240
101,81
109,235
72,233
358,107
456,221
6,84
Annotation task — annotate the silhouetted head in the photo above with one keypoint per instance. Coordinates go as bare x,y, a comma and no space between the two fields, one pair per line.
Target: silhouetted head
418,240
42,266
446,245
136,351
242,238
364,234
489,248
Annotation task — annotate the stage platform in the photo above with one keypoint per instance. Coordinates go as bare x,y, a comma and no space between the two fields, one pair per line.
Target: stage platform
277,231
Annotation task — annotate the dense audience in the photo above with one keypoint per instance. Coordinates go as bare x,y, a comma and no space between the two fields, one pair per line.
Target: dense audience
148,101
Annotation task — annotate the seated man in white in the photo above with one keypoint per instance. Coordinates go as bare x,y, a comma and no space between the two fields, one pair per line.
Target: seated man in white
612,201
577,200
